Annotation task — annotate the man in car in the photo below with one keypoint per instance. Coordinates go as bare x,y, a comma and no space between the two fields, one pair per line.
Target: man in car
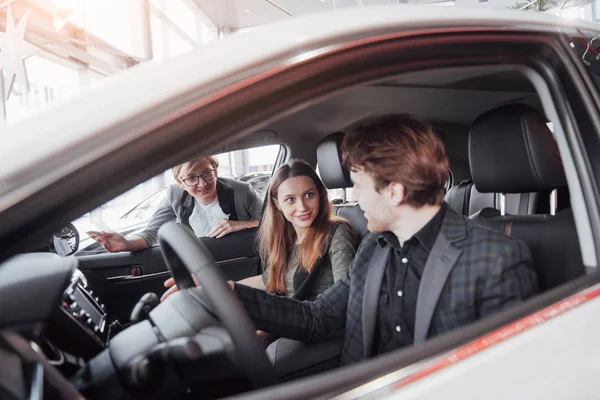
201,200
421,271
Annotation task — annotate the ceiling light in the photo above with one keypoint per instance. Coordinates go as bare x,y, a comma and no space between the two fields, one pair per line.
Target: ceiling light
246,10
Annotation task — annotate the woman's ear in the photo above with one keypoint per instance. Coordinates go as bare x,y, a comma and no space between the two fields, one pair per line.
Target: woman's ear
180,183
276,203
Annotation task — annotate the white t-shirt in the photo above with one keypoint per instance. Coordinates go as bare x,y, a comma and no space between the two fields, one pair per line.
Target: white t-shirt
204,218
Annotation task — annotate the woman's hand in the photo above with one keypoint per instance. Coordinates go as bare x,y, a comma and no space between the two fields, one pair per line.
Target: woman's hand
225,227
111,241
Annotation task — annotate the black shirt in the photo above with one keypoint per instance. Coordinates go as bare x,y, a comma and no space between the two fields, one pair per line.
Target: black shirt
400,286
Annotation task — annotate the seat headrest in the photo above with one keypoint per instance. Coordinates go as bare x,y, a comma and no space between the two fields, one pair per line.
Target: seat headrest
329,158
511,150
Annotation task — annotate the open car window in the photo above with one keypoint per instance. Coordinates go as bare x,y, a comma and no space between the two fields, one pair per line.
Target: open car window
130,212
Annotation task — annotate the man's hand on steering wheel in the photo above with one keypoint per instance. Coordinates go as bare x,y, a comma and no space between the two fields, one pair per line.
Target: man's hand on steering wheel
172,287
191,264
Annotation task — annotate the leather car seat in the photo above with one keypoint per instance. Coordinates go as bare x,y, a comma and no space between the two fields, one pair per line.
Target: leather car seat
511,150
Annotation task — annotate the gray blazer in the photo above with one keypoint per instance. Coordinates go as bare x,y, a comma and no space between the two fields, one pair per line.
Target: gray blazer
238,199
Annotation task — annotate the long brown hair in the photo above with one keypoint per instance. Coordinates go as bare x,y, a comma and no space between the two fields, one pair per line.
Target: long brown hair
276,235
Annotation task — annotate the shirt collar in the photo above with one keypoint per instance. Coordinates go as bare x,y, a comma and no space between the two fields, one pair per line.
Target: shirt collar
426,236
388,238
207,206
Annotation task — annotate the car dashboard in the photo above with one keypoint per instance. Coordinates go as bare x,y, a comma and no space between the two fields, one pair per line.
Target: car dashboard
62,327
48,304
51,320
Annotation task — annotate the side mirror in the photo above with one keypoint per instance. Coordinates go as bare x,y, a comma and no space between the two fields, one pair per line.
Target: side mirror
65,241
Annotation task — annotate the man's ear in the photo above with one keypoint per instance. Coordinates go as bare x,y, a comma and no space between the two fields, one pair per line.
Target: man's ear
396,193
216,172
180,183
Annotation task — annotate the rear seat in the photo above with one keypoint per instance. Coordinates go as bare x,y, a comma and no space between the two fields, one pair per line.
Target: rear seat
465,199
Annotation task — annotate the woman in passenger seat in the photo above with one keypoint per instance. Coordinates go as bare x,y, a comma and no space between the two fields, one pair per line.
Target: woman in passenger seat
304,249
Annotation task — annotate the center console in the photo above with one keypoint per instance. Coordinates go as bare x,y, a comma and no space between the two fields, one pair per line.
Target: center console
80,325
79,302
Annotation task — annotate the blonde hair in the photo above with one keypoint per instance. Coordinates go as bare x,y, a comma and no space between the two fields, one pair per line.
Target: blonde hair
180,169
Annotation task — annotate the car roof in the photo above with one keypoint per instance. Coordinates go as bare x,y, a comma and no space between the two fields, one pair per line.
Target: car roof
57,142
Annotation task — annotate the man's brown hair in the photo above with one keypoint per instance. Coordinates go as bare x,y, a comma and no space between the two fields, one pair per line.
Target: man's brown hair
399,148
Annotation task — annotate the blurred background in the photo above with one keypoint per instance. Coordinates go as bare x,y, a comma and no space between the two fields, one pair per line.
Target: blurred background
70,46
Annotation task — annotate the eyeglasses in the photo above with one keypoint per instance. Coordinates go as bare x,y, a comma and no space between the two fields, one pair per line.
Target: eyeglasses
193,180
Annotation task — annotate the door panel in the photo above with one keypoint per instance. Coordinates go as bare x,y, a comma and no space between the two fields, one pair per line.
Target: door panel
121,279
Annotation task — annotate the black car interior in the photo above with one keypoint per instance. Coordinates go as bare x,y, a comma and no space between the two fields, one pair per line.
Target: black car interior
506,165
519,133
493,138
465,199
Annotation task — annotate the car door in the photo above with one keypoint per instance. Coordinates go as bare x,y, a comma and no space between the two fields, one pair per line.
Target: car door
121,279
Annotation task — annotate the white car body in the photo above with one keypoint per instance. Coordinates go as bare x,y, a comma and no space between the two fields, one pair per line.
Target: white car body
550,355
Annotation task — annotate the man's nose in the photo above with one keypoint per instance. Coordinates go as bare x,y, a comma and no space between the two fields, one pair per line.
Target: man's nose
201,183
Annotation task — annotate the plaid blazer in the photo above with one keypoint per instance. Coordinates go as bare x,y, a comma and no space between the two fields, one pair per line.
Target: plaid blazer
474,273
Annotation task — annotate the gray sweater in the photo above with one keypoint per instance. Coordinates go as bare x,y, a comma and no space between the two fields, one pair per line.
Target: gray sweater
340,254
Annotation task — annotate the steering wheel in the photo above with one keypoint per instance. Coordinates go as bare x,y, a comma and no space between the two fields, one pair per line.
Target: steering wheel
184,256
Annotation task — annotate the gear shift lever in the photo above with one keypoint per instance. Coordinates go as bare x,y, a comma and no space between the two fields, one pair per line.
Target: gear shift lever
143,307
147,371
